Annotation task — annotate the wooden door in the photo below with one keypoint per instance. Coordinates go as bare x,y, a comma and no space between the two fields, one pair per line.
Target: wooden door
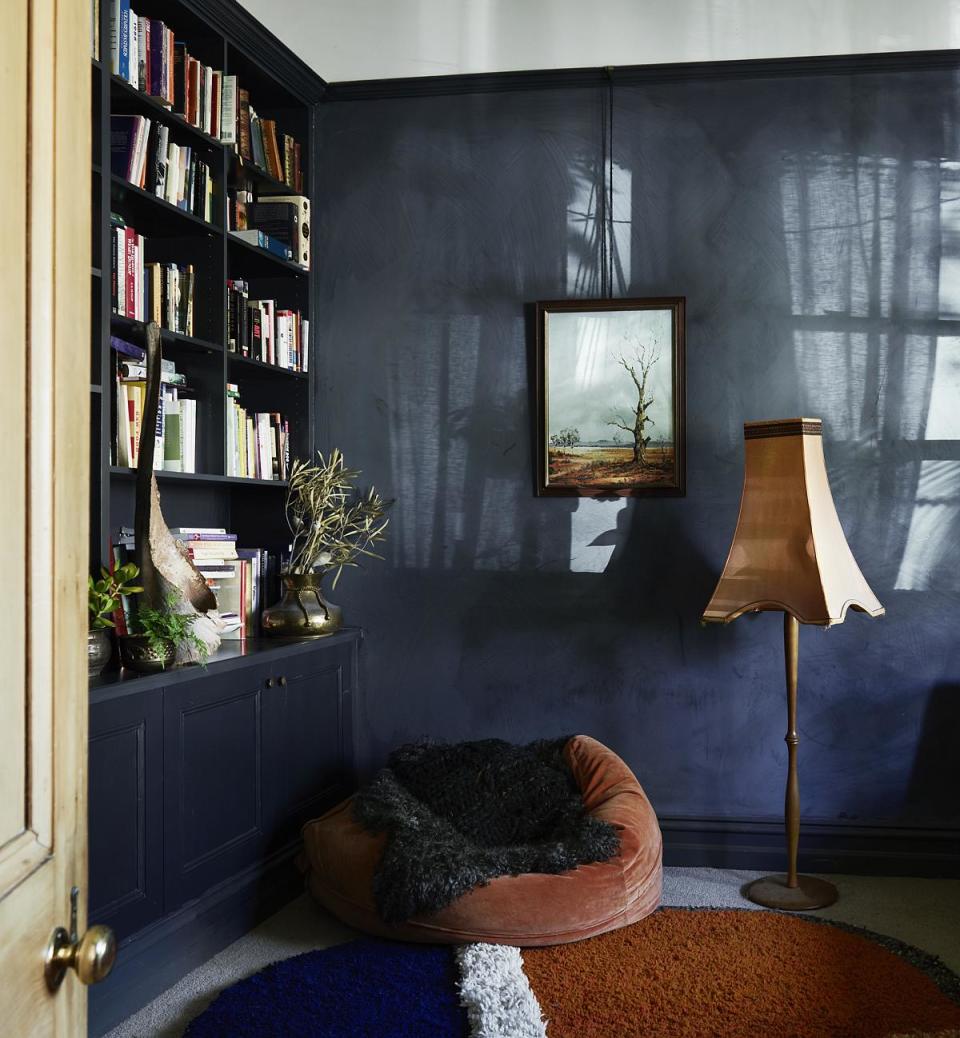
44,458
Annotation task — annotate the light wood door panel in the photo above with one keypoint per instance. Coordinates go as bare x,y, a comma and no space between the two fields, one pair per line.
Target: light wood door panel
44,413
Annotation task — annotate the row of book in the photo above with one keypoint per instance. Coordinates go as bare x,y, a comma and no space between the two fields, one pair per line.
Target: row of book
241,579
257,328
145,54
142,153
148,291
175,434
258,443
282,217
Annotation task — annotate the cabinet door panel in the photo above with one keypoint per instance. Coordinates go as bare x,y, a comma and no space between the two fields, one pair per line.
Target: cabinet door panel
306,732
126,812
213,795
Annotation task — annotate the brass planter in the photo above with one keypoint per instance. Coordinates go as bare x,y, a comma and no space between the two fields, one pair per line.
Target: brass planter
303,611
138,654
99,650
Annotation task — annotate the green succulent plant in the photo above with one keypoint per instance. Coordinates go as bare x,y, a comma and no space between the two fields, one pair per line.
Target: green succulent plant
104,595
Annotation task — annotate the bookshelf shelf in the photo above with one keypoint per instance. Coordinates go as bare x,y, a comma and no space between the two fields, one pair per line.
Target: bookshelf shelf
129,100
199,478
122,187
260,260
268,370
137,329
263,178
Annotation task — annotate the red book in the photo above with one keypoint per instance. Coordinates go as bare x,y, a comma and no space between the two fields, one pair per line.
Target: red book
193,91
130,288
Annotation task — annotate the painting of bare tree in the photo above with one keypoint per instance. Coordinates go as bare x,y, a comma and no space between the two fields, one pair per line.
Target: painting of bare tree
611,397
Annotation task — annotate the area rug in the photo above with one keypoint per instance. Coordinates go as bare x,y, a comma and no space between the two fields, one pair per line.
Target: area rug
680,973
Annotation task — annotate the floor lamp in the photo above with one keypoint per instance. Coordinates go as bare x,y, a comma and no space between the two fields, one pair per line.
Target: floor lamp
789,555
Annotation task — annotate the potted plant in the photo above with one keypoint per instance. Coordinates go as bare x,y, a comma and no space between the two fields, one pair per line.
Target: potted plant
155,636
333,526
103,599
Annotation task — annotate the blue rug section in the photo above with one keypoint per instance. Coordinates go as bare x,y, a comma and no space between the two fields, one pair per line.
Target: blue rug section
363,989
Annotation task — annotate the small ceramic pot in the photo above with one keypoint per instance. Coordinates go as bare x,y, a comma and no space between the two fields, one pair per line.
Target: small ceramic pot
303,611
138,654
99,650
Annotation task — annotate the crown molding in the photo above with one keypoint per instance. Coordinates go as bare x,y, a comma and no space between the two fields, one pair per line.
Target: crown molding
552,79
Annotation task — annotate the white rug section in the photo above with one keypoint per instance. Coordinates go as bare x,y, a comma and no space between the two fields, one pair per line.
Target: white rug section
496,993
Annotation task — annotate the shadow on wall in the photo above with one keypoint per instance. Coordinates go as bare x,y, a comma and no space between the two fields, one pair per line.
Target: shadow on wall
812,223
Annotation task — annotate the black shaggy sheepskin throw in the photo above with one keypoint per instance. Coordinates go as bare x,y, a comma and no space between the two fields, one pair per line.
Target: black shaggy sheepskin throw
457,816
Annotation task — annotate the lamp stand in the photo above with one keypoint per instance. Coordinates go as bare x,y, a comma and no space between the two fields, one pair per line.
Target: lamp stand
792,892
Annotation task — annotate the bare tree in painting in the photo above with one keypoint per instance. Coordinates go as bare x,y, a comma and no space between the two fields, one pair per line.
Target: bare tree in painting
638,367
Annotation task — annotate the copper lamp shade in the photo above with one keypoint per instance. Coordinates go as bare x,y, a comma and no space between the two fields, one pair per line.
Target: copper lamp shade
789,555
788,552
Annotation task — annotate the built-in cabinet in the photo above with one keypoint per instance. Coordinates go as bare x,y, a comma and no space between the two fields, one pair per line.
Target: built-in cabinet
199,784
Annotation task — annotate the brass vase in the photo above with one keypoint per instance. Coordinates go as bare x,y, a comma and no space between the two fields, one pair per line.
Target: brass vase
303,611
138,654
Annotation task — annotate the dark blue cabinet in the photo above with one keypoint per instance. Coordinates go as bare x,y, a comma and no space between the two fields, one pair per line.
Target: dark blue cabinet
200,781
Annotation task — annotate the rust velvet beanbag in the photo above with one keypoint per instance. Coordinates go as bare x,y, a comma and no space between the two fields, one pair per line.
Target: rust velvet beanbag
528,910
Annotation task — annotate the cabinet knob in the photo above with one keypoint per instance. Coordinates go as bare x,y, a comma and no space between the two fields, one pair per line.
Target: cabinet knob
283,680
269,682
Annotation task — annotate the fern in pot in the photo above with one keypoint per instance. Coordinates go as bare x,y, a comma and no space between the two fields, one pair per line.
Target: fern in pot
155,636
103,600
333,526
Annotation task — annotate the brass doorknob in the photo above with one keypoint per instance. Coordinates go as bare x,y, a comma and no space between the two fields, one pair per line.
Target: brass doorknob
283,680
91,956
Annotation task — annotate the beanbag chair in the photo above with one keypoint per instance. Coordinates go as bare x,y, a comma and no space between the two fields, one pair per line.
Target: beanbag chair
527,910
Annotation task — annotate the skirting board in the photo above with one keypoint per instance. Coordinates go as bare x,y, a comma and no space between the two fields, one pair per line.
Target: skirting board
159,955
870,850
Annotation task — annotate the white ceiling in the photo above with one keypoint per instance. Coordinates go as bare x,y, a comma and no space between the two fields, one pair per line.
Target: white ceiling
378,39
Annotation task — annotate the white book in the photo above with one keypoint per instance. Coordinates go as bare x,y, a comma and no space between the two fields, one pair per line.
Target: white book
142,56
304,344
115,37
123,427
232,437
173,169
207,99
251,443
228,110
264,436
188,419
134,70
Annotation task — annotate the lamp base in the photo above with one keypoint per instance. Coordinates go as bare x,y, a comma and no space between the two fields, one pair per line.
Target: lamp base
810,893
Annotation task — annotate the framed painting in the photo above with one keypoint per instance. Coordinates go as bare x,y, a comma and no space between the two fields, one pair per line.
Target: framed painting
611,391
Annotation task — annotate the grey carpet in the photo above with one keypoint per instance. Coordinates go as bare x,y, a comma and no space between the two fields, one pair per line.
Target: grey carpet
922,912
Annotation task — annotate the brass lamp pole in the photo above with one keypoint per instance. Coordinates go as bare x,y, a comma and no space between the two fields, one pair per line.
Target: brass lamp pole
789,555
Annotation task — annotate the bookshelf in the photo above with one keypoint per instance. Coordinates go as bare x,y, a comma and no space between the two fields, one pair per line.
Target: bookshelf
261,740
222,35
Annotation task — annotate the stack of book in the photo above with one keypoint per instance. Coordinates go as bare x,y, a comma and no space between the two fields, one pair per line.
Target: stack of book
142,153
238,577
284,218
161,292
258,443
144,53
175,444
214,552
257,328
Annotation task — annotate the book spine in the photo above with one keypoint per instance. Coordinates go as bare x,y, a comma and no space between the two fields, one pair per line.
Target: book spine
228,110
246,151
123,63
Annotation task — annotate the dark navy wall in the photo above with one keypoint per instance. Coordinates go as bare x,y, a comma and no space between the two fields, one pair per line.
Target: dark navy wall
812,223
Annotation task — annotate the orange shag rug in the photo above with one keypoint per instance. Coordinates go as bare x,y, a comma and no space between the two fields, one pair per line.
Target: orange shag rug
741,974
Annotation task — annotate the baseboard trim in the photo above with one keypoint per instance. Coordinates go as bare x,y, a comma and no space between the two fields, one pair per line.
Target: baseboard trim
156,957
869,850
